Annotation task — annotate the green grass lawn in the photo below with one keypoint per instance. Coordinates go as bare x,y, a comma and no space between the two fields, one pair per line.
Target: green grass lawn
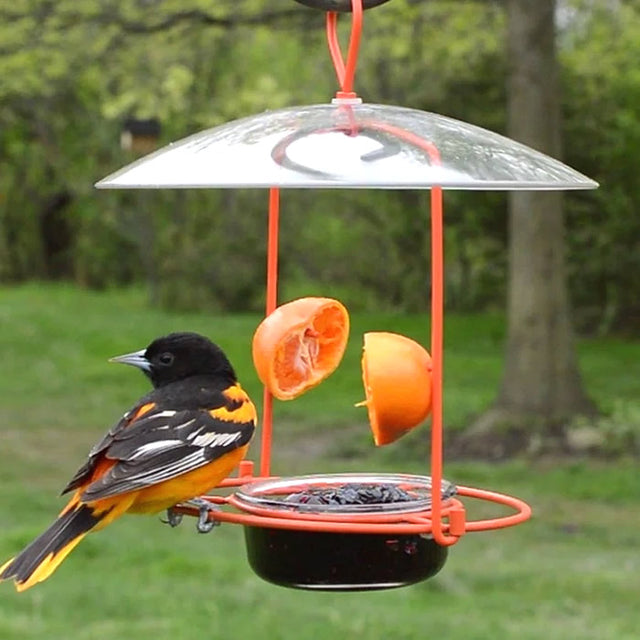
572,572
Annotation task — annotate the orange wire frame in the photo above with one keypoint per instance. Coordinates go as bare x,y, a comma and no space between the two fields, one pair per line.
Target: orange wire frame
446,520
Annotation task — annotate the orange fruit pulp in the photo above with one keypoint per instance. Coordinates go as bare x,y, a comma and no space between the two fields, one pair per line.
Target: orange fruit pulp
299,345
396,372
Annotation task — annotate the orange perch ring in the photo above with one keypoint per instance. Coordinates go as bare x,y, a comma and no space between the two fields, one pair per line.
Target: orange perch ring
420,522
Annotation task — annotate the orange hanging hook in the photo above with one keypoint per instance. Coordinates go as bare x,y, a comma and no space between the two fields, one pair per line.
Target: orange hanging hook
345,71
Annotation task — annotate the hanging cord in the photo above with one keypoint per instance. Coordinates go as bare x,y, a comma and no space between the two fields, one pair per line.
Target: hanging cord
345,72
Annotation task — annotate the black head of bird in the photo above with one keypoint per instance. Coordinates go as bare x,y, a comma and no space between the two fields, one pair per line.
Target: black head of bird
178,356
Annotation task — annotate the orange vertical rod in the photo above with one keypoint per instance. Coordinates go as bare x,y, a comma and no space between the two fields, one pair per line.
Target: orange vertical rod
437,335
272,250
272,301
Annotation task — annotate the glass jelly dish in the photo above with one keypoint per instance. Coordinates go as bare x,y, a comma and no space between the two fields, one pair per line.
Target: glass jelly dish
341,561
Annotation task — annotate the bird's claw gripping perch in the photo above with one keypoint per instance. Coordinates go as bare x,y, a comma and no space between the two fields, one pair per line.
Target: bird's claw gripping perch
205,510
205,520
173,518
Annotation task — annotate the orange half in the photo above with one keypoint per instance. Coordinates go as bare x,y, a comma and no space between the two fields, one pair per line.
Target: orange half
300,344
396,372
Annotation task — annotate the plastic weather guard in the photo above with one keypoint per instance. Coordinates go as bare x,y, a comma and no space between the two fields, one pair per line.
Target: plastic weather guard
347,145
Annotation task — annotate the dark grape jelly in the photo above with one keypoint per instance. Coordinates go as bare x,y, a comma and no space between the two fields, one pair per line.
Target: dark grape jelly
341,561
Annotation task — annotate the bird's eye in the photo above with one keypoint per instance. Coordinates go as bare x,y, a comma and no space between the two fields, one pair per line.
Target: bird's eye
166,359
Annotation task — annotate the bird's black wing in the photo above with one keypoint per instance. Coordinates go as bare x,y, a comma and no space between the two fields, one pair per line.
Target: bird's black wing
164,444
85,471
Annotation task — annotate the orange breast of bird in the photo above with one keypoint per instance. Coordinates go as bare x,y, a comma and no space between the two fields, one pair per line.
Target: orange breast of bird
190,485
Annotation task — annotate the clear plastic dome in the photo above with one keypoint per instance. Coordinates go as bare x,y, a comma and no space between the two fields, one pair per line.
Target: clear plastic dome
345,145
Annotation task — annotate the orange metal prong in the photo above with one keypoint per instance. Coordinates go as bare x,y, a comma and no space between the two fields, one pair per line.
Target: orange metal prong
245,469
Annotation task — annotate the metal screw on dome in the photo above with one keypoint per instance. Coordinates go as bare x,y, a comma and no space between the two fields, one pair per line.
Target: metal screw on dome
339,5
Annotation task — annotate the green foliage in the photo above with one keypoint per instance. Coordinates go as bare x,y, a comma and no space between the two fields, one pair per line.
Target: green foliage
602,91
186,255
71,71
218,248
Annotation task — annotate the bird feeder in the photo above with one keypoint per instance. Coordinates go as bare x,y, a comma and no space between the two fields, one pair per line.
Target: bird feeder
402,532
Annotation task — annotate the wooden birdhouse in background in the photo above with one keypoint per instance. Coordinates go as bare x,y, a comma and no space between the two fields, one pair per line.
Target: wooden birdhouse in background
140,136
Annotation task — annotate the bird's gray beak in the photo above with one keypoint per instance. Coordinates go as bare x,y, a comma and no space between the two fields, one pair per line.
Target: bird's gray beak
137,359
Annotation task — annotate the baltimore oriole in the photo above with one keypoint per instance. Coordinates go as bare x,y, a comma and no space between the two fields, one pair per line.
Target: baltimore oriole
177,443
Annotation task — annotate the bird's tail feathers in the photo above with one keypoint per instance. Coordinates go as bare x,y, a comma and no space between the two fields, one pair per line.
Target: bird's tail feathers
41,558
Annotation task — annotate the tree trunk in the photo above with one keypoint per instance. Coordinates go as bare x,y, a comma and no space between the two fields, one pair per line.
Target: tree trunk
541,388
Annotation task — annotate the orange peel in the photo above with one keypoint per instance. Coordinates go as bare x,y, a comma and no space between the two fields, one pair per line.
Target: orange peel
300,344
397,378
